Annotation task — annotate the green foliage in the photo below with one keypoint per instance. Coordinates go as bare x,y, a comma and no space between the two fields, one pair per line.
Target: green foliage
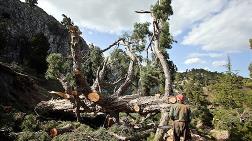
151,137
193,84
250,70
92,62
33,136
227,91
66,21
140,31
228,119
250,43
47,125
119,63
203,114
194,91
150,78
30,123
165,37
247,98
84,132
57,66
138,37
162,10
225,119
234,107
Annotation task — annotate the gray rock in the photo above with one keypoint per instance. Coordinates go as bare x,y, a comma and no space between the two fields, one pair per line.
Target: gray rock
18,20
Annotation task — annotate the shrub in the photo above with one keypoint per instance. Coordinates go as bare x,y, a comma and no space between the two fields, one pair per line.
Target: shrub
30,123
33,136
228,119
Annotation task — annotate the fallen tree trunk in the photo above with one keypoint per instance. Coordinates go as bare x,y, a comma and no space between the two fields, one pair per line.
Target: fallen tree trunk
128,104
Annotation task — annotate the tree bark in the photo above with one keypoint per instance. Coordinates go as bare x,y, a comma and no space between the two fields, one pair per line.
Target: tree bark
128,104
163,122
80,81
165,66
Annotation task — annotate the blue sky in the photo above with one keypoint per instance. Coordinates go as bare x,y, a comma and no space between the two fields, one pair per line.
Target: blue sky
206,30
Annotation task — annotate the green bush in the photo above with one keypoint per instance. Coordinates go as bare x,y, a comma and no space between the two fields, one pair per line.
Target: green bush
33,136
203,114
30,123
84,132
228,119
224,119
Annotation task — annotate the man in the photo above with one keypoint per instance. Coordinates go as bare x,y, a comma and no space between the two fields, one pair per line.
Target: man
181,116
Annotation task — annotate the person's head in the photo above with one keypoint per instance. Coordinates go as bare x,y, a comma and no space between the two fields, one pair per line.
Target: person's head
180,98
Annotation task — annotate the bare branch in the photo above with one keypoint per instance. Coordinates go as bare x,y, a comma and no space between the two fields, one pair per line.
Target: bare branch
119,80
128,80
112,45
143,11
133,58
152,39
65,84
99,76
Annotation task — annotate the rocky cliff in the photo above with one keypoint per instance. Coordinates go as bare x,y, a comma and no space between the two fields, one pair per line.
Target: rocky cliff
18,90
27,35
20,24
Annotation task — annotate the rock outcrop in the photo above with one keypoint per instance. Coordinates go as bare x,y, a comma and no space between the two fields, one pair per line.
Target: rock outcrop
19,23
19,91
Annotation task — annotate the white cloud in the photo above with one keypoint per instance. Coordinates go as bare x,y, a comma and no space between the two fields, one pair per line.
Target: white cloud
212,55
206,68
189,12
223,25
102,15
194,61
220,63
227,31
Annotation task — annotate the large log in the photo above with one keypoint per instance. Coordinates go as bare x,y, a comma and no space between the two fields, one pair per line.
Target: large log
128,104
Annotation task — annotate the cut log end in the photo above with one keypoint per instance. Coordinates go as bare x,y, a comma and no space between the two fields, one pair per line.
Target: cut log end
172,99
136,108
53,132
57,131
94,97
